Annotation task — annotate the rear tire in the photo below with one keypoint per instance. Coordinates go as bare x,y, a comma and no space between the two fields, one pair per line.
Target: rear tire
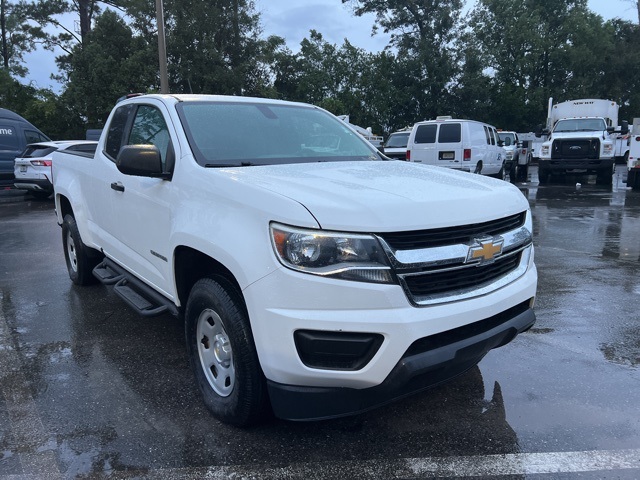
543,175
523,172
80,259
605,177
478,169
222,353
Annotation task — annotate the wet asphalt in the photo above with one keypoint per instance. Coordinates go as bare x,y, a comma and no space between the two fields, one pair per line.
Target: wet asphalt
89,389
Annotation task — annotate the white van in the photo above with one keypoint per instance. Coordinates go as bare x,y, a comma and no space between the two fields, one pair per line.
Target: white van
460,144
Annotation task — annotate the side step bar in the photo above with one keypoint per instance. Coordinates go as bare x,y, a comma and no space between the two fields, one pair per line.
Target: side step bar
142,298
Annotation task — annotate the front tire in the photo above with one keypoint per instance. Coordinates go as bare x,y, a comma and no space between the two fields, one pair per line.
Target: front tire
222,353
501,175
80,259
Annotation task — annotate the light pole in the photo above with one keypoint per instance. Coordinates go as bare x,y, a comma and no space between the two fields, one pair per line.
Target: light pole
162,48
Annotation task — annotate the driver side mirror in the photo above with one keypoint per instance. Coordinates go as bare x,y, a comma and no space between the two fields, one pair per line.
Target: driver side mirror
141,161
624,128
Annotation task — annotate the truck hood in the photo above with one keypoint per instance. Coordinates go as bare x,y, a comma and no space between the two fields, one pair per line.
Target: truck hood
590,134
386,196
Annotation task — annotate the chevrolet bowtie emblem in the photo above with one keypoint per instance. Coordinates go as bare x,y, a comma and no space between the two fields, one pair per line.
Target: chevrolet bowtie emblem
485,249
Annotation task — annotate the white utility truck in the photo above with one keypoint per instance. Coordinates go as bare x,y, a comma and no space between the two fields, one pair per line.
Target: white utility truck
313,275
633,158
581,136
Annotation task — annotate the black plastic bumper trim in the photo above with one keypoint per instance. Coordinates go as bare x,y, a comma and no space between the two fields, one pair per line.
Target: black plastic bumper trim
412,374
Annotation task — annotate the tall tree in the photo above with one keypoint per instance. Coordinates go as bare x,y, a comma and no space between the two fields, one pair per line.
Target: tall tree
537,49
214,46
112,63
17,37
424,32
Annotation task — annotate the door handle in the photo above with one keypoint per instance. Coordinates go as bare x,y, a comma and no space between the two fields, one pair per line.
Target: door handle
117,186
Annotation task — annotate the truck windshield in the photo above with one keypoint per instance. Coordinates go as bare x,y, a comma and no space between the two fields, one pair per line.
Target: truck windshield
225,134
507,139
397,140
580,125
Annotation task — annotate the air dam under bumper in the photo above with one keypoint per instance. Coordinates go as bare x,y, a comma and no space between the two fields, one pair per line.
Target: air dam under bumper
423,365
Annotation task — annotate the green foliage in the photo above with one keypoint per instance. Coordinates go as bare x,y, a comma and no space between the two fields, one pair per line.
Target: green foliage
112,63
500,64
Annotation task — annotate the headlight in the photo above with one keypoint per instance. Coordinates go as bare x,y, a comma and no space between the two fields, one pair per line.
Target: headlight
607,148
509,155
331,254
544,151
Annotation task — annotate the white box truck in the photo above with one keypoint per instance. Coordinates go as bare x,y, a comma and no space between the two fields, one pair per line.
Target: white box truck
581,136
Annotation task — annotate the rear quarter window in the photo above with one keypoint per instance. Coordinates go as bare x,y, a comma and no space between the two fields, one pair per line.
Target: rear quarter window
32,136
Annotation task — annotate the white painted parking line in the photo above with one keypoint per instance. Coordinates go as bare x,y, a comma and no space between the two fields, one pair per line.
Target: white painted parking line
554,463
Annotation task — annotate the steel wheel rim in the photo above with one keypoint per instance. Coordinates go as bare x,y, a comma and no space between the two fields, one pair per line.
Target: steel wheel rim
72,253
215,353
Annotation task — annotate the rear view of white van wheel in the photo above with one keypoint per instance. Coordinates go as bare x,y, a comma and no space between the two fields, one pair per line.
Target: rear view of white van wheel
478,169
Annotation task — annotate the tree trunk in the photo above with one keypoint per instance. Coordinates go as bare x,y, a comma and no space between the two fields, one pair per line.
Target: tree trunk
85,11
3,27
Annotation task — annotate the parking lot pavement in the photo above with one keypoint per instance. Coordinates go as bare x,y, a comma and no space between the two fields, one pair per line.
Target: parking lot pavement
88,389
11,194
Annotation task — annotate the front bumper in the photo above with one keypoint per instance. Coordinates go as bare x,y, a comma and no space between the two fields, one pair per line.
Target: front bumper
285,302
575,164
427,362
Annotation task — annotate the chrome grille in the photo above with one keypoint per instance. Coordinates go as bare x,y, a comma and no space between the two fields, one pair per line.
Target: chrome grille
440,265
447,236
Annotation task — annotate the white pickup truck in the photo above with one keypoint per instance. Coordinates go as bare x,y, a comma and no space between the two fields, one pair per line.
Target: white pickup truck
313,275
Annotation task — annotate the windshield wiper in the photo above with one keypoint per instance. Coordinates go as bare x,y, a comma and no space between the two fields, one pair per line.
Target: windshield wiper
223,165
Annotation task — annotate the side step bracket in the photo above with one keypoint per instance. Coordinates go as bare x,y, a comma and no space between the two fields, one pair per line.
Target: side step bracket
142,298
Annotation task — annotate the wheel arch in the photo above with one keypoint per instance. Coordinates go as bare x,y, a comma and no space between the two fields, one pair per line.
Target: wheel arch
190,265
63,207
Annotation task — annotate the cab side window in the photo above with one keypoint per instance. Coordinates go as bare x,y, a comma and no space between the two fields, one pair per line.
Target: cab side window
488,137
115,134
149,128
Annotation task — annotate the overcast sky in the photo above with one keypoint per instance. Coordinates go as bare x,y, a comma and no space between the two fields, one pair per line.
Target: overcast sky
292,19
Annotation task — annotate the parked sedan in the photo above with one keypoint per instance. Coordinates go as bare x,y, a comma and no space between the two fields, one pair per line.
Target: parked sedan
32,168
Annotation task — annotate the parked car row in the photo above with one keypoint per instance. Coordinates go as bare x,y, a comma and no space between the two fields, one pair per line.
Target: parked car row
32,169
15,134
465,145
25,154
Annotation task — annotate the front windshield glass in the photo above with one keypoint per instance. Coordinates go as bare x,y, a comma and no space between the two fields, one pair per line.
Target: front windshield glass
580,125
397,140
243,133
507,138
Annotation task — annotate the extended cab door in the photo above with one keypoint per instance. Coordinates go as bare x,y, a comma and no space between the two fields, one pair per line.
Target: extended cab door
138,223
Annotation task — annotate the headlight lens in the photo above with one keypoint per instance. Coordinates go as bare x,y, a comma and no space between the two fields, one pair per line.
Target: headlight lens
544,150
607,148
331,254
